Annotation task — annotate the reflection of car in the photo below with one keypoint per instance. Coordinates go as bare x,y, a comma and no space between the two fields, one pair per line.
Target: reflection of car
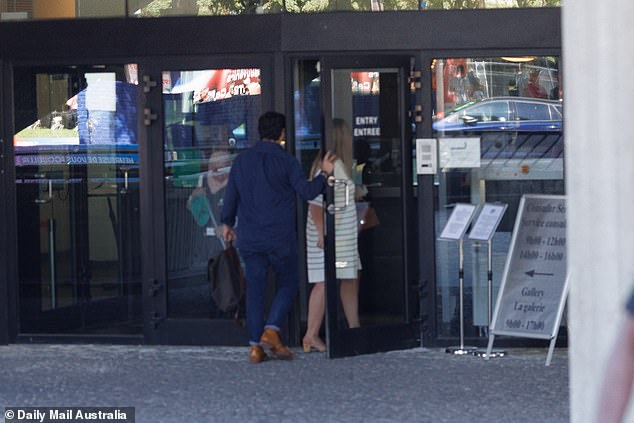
521,114
521,138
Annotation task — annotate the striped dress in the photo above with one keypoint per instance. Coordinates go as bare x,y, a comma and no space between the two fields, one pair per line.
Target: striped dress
347,261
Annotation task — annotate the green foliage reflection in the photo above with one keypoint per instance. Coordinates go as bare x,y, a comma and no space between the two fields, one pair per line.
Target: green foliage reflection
156,8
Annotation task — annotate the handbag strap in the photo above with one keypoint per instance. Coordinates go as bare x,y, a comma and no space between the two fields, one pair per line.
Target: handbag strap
213,220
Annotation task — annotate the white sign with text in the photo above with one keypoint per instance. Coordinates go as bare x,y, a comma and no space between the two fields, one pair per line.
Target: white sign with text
459,152
487,221
458,222
532,293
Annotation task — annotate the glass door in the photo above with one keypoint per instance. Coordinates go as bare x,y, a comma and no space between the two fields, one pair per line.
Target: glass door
77,189
370,306
206,115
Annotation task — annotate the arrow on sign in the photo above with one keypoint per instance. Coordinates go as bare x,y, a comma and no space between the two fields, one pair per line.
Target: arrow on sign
532,273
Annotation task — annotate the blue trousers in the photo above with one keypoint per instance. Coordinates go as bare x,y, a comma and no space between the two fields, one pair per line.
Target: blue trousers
284,264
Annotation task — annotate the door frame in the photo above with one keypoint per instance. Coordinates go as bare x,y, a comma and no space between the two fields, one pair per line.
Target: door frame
7,254
370,339
8,184
158,327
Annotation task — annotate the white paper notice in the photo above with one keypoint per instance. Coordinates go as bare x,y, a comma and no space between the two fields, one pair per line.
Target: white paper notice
101,93
487,222
458,221
459,152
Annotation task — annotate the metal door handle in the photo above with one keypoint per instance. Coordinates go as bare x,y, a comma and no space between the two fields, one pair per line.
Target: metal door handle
50,194
333,182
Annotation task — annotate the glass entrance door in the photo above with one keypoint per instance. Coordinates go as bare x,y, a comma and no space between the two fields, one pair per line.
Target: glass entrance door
77,190
370,306
206,115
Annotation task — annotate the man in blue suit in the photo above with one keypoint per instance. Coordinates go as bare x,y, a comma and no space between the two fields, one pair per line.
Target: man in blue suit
261,195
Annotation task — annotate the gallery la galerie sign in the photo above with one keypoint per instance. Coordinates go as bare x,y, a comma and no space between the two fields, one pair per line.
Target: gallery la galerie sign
532,289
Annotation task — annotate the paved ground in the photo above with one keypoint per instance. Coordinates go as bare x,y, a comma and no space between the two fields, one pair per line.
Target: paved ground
199,384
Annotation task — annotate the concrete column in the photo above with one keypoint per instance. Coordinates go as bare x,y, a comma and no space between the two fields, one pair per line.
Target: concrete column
598,88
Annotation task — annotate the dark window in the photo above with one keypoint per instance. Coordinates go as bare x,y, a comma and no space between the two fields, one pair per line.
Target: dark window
532,111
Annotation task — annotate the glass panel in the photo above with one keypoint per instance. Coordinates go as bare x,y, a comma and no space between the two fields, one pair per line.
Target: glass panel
367,121
487,4
350,5
47,9
210,115
92,8
308,138
157,8
513,106
77,182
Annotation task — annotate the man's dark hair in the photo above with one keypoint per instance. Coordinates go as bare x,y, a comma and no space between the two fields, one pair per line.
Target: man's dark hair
271,125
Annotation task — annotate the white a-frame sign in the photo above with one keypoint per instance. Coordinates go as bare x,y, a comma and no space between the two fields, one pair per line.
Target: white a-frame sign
534,287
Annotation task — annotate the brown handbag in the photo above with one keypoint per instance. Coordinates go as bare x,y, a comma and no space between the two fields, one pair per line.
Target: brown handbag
227,283
366,216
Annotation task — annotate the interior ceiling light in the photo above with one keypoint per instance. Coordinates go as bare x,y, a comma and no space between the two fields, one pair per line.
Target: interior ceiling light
519,59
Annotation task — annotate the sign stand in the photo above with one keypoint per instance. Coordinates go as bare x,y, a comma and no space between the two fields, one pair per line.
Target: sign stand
534,286
483,230
480,352
461,350
560,312
454,230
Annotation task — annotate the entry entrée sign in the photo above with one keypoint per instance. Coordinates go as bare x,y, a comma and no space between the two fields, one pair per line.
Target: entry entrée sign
534,284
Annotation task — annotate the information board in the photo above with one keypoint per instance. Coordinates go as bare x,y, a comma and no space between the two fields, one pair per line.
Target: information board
532,294
458,222
487,221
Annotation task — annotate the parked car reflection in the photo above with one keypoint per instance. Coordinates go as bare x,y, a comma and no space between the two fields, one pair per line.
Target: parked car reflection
522,114
521,138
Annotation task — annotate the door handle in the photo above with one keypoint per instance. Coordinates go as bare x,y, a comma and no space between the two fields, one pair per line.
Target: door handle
50,193
331,208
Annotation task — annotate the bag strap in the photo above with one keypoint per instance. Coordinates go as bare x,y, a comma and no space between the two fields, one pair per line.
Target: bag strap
213,221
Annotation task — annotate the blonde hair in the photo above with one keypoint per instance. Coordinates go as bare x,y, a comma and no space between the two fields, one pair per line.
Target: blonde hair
342,136
343,143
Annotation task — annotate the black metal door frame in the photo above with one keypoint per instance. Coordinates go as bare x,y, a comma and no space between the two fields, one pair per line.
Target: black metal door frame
370,339
8,212
159,328
5,207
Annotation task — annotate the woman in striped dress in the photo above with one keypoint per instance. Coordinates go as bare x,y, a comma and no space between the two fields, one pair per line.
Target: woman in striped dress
347,262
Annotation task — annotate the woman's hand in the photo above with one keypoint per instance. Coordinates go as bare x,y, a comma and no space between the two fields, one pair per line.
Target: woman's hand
328,163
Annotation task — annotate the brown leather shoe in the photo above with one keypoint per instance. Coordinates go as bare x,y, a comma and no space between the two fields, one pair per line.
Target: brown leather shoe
257,354
271,339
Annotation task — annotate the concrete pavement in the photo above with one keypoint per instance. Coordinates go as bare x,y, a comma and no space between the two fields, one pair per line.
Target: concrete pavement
217,384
